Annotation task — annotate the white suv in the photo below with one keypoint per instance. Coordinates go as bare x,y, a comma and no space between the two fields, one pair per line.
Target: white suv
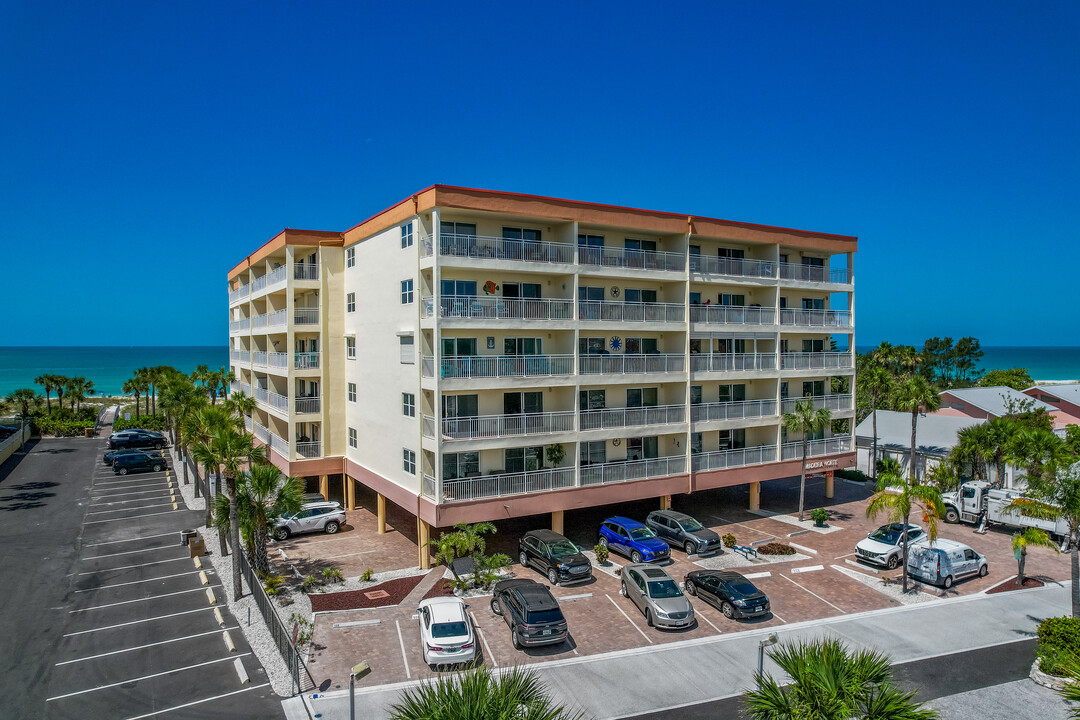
313,517
883,546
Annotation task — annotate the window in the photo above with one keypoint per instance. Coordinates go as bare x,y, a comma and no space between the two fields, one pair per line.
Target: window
460,406
732,393
523,346
813,346
350,348
593,453
644,447
695,298
593,399
350,302
696,445
406,292
350,257
406,342
695,394
641,346
591,346
523,459
634,295
409,461
730,299
408,404
641,397
813,303
458,347
460,465
732,439
406,235
518,403
814,388
352,392
352,437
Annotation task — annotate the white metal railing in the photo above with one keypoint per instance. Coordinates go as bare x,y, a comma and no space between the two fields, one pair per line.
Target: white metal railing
278,444
306,316
239,293
502,484
627,363
733,314
308,449
839,401
247,423
308,404
234,387
306,360
626,258
624,470
245,356
814,448
278,401
816,361
500,308
498,248
261,432
815,318
728,362
275,277
632,417
277,359
631,311
258,284
720,459
258,322
262,394
305,271
814,274
496,426
234,355
735,410
429,426
736,267
496,366
259,358
245,388
277,319
240,325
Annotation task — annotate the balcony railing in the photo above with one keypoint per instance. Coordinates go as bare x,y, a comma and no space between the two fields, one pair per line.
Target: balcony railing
632,417
234,355
262,394
498,248
503,484
245,388
815,318
275,277
309,449
258,322
814,448
496,426
261,432
429,486
234,387
239,294
278,444
247,423
305,271
429,426
277,359
732,315
240,325
625,470
258,284
816,361
306,360
500,308
735,267
631,311
308,404
276,319
630,364
814,274
259,358
306,316
732,362
837,402
278,401
736,410
498,366
626,258
733,458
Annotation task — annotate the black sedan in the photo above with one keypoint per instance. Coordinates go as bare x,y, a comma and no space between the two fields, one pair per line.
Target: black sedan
728,591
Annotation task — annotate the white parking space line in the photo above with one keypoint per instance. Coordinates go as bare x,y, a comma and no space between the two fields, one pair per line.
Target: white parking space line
841,557
137,622
141,647
197,702
130,480
808,568
132,567
144,677
136,582
487,648
718,630
141,507
134,500
404,659
129,552
134,517
628,618
136,600
141,537
813,593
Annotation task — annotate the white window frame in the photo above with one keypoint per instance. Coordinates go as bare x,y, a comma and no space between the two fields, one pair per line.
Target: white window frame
408,404
350,257
350,348
408,461
350,302
352,392
411,345
406,235
407,292
352,437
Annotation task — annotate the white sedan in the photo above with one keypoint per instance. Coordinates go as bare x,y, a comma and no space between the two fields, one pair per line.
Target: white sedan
445,631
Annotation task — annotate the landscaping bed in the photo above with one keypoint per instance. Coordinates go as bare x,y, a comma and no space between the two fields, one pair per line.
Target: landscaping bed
443,588
1029,582
391,592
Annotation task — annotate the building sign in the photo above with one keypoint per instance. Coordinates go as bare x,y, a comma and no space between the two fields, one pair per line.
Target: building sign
822,463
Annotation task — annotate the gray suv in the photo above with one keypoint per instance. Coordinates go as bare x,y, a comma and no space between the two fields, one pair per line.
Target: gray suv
682,531
657,596
327,517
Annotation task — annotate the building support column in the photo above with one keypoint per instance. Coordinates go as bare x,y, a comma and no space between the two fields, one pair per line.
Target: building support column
380,501
350,493
755,496
828,484
557,521
423,535
665,502
324,486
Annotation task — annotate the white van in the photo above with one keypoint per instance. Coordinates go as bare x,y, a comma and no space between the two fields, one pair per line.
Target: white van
944,562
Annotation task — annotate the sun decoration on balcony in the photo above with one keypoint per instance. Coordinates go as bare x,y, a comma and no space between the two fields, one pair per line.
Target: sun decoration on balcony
616,342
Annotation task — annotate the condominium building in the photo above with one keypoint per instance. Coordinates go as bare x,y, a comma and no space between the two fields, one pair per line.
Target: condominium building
477,355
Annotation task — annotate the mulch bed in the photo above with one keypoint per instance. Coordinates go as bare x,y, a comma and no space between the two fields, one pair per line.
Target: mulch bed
775,548
391,592
443,588
1029,582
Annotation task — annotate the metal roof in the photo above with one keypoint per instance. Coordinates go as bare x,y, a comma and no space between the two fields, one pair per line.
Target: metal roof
934,434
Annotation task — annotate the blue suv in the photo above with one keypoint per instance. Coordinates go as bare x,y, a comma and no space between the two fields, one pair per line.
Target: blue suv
633,540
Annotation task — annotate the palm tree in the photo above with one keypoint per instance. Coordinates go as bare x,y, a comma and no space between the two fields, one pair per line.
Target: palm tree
1021,540
198,429
131,387
226,381
73,388
476,693
998,438
180,400
1055,495
830,682
877,383
896,505
1034,449
143,378
263,495
239,405
468,539
968,451
48,382
59,383
24,401
914,394
806,420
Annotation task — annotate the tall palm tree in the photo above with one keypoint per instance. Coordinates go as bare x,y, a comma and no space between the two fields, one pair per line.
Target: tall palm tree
477,693
181,400
143,378
876,382
24,401
239,405
1021,541
1034,449
998,437
806,420
87,389
896,505
48,382
968,451
226,381
131,387
264,494
1055,495
59,383
198,429
914,394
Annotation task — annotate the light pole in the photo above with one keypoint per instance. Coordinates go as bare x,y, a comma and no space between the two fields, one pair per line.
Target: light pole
357,672
770,640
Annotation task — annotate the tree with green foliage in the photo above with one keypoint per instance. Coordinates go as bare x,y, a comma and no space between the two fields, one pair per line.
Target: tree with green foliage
966,355
968,451
877,383
24,401
914,394
1016,378
180,399
938,359
805,419
48,382
1021,541
895,498
263,494
1054,495
1035,449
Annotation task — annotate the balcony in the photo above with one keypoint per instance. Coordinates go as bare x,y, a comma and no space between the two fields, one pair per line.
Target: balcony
262,395
499,426
306,360
306,316
239,294
610,257
245,388
260,432
736,410
815,274
500,485
258,284
258,358
235,387
278,402
279,445
732,267
305,271
836,403
239,326
814,448
239,356
732,315
499,366
815,318
234,355
499,308
816,361
308,449
270,321
732,362
606,418
626,470
308,404
247,423
277,359
270,281
630,364
602,310
740,457
486,247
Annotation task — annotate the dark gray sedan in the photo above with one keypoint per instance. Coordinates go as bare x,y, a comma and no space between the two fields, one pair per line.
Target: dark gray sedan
729,592
682,531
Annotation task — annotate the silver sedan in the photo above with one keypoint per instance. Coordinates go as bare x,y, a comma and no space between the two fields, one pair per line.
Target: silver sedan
657,596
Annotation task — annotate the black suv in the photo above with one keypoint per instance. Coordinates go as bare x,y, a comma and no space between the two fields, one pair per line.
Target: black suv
136,461
136,439
734,595
111,455
552,554
531,612
682,531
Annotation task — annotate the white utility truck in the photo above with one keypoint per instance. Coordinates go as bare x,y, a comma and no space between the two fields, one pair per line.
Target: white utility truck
968,503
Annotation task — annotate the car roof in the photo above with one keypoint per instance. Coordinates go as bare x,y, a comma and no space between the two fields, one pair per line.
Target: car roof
725,575
624,522
535,595
654,573
946,544
445,609
673,514
321,504
545,535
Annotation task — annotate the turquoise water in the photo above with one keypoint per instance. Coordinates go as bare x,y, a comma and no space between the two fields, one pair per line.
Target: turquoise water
108,367
1042,363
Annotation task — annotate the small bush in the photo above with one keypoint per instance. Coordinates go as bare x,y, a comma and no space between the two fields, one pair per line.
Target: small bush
367,575
602,552
856,475
310,584
146,422
819,515
774,548
1059,643
729,540
332,575
273,584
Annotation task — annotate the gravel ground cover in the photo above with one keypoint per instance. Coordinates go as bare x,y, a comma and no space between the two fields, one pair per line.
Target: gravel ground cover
792,520
731,560
893,589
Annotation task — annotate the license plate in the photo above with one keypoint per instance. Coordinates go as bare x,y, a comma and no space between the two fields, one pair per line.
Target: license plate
545,632
757,609
453,650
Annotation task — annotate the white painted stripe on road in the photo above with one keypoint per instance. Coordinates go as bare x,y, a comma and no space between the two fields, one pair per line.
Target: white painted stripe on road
861,566
140,492
564,598
628,619
141,537
139,679
487,648
812,551
136,622
754,576
198,702
129,552
132,567
129,602
808,568
136,582
134,480
841,557
708,621
134,517
140,647
814,594
141,507
404,659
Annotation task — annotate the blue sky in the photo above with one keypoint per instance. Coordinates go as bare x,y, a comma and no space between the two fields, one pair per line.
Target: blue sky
148,147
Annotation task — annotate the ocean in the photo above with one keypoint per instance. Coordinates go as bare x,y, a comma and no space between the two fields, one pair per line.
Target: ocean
108,367
1042,363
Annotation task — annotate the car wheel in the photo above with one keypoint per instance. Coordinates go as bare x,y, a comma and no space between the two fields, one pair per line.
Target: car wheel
690,589
553,577
622,589
523,559
984,570
123,471
282,533
648,617
951,516
516,639
331,527
948,582
728,610
495,607
157,468
894,561
603,541
689,547
635,556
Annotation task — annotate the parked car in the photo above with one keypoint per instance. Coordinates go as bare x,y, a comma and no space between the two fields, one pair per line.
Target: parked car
314,497
944,562
633,540
327,517
7,431
727,591
882,547
530,611
138,462
657,596
137,439
445,631
682,531
555,556
136,430
111,455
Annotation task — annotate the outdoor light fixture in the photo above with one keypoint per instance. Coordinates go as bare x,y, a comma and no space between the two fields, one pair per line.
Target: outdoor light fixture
770,640
360,670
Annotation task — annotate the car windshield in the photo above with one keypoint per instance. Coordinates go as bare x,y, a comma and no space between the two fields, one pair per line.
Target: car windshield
887,535
563,548
449,629
743,588
545,616
664,589
641,533
691,525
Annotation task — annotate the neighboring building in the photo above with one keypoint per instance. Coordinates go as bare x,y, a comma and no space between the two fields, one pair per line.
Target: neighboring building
987,403
935,437
1064,397
437,350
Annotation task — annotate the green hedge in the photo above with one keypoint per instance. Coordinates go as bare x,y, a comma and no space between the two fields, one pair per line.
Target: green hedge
146,422
856,475
1059,643
61,426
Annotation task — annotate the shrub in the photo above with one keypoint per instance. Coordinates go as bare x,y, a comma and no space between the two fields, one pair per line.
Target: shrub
367,575
775,548
61,425
1059,643
819,515
488,567
147,422
856,475
332,575
273,584
310,583
729,540
601,551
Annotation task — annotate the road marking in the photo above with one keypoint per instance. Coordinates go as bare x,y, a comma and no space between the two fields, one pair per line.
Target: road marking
139,679
128,480
134,517
131,567
128,602
483,639
136,582
140,647
135,622
808,568
141,507
813,593
198,702
404,658
812,551
564,598
861,566
130,552
732,522
710,622
841,557
628,618
141,492
141,537
754,576
360,623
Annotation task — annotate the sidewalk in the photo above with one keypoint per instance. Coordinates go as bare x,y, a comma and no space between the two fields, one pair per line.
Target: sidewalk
609,686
